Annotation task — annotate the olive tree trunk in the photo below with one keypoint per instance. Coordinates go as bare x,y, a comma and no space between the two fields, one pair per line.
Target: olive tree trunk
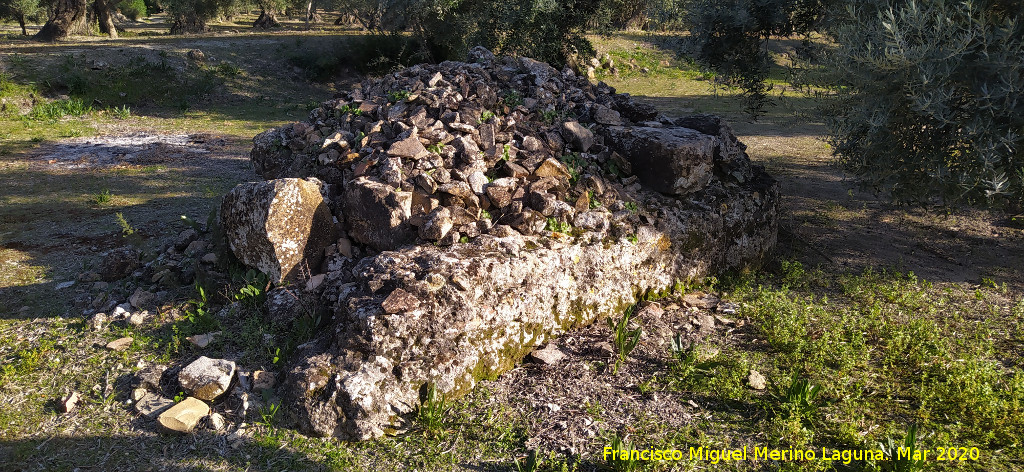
66,15
102,8
267,19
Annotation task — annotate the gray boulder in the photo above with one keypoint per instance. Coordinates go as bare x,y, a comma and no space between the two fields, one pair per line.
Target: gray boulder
676,161
377,214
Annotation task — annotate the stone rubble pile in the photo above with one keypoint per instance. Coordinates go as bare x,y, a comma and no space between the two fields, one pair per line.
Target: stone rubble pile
452,218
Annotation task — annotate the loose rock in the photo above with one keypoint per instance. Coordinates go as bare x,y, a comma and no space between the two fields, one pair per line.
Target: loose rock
184,416
278,226
120,344
756,381
207,378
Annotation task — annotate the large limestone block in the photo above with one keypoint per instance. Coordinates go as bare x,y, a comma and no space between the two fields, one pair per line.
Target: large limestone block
675,161
472,311
278,226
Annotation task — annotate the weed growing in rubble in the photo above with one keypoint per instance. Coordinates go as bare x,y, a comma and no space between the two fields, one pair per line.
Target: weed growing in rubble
253,293
433,409
512,98
486,116
396,96
625,339
348,109
557,226
436,148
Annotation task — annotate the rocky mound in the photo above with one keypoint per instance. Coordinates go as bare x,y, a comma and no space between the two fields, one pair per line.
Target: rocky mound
453,217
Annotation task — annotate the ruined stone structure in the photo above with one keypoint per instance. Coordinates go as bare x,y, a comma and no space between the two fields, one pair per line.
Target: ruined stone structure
484,208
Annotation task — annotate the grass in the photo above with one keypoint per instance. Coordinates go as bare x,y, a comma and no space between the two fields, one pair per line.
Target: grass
856,359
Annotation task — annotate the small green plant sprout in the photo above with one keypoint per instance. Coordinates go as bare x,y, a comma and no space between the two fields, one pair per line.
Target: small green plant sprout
512,98
228,69
575,163
436,148
348,109
253,292
433,409
631,206
678,347
395,96
557,226
275,355
486,116
121,113
530,464
549,116
613,169
903,457
633,239
103,196
625,339
126,228
801,395
619,455
179,397
485,214
197,313
593,200
505,152
268,413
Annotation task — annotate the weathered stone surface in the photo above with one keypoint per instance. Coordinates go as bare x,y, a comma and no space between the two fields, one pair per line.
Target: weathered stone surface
484,323
438,224
756,380
151,405
550,355
552,168
203,340
69,402
669,160
409,148
377,214
141,298
120,344
272,154
184,416
283,306
278,226
607,116
119,263
207,378
577,136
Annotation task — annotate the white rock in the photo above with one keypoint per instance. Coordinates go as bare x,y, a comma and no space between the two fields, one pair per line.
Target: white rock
207,378
203,340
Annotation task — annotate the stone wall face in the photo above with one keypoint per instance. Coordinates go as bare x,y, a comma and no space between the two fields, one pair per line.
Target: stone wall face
487,208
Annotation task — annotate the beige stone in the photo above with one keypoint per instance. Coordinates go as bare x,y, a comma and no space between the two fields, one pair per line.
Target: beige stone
184,416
